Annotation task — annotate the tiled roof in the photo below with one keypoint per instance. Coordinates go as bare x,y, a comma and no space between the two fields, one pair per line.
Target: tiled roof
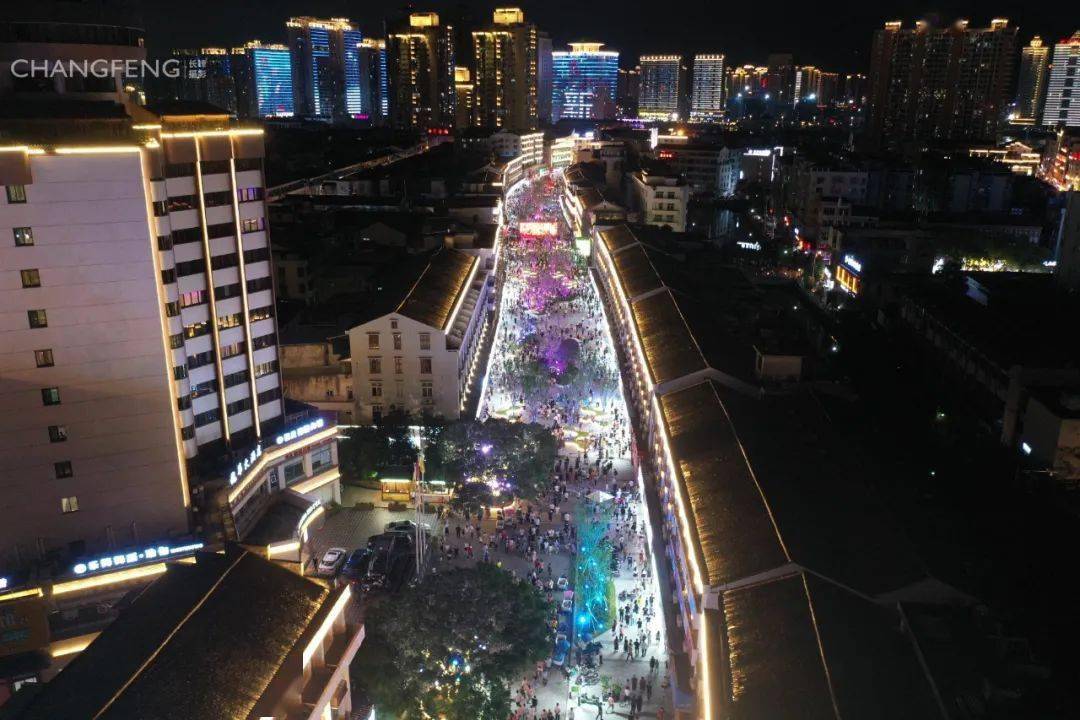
433,297
201,641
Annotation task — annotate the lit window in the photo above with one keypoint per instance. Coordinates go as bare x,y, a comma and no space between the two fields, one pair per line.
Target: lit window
50,396
69,504
44,358
23,236
38,318
30,278
16,193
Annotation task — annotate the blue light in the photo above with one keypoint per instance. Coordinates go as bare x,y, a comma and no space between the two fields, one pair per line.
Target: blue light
584,84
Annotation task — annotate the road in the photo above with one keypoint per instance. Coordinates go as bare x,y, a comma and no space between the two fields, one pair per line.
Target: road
553,362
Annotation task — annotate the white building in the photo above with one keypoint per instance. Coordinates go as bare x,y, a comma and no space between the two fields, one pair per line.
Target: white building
529,146
117,363
1062,106
422,357
707,99
662,198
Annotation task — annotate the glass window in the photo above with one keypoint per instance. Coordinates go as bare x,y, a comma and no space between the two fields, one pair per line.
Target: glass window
425,366
30,278
43,358
427,389
399,365
69,504
321,458
375,365
373,341
376,389
397,341
63,469
57,433
294,471
16,193
23,236
50,396
425,341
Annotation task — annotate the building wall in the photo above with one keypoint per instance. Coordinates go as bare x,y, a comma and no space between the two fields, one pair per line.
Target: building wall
94,253
1062,103
662,203
660,87
403,390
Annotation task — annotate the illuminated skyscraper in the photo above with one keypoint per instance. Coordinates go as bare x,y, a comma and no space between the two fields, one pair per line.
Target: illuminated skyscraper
326,67
707,99
374,81
206,75
463,101
1031,85
585,82
420,59
1062,100
930,84
263,79
661,87
507,71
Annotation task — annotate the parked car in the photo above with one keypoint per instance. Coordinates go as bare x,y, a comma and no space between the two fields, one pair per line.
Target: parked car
358,563
405,526
331,561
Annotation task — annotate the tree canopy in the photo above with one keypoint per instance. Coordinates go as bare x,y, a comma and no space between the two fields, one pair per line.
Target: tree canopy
447,647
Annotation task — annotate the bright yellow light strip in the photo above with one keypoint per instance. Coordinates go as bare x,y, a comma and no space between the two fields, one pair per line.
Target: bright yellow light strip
32,592
706,678
680,503
315,514
327,623
71,646
102,150
271,455
461,297
316,482
135,573
213,133
147,126
282,548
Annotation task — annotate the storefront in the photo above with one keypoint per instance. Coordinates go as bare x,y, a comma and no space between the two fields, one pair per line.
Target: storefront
849,274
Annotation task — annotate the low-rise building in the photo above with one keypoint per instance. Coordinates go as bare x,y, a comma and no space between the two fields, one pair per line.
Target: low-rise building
282,645
661,196
419,356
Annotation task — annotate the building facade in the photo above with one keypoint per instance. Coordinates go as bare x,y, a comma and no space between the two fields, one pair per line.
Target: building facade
206,75
585,82
1031,84
263,78
421,63
707,98
1062,106
661,87
506,63
374,81
326,67
421,358
662,198
939,85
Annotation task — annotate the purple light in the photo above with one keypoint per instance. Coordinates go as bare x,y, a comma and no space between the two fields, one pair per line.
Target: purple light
485,449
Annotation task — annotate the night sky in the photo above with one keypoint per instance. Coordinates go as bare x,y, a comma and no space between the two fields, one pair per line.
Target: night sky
833,35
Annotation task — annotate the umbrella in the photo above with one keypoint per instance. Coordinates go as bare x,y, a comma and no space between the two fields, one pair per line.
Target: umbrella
599,496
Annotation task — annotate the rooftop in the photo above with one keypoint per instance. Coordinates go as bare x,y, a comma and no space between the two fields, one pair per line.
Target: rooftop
201,641
433,297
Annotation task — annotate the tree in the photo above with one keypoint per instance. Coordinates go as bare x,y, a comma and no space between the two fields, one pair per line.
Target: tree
367,450
521,454
447,647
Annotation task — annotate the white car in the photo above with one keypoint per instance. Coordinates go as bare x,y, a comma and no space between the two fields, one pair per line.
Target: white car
331,561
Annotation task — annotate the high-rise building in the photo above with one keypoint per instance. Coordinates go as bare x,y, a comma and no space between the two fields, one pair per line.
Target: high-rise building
506,64
544,77
140,332
627,91
585,82
1031,85
263,78
374,81
421,63
464,105
1062,101
206,75
746,80
808,81
854,90
780,81
661,87
707,98
326,67
939,85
